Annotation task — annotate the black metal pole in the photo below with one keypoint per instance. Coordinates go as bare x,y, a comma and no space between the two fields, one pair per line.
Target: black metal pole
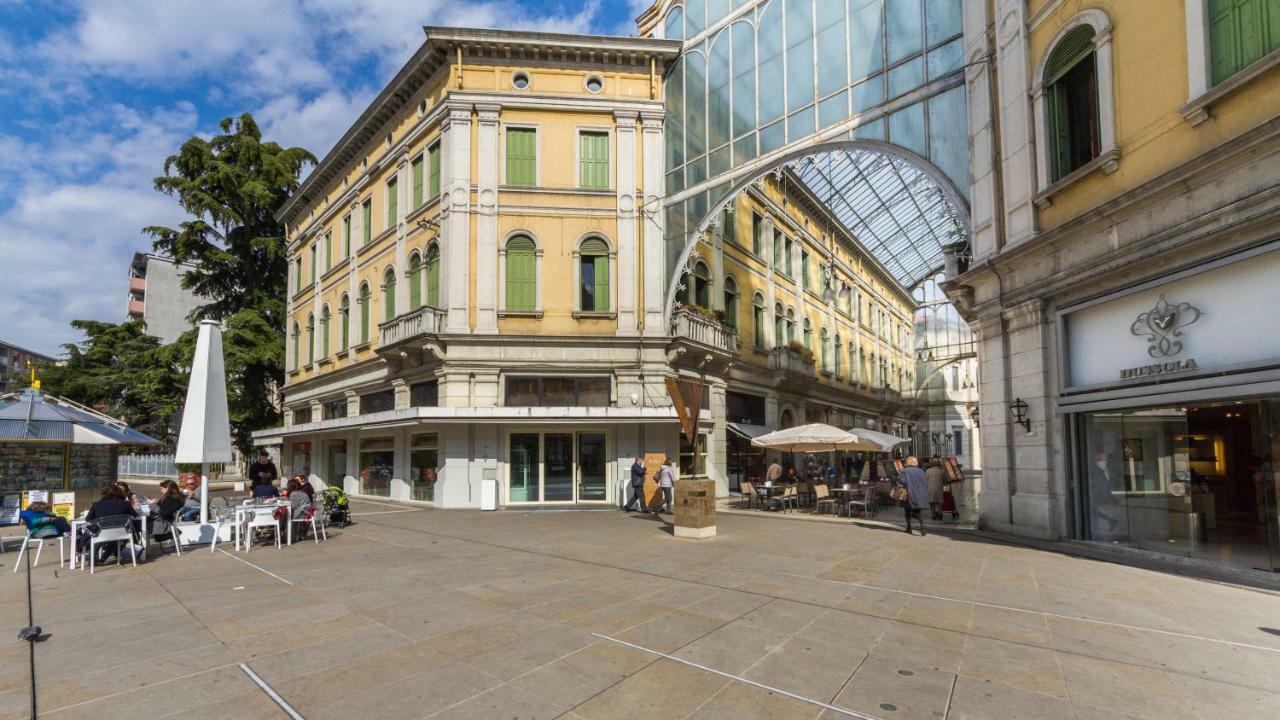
31,633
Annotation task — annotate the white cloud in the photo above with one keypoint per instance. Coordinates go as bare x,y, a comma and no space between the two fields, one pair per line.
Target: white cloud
313,124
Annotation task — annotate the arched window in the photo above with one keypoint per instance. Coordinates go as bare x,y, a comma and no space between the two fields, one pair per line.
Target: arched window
593,275
521,272
415,281
433,275
835,354
757,320
344,322
846,300
389,295
673,28
366,299
825,351
779,326
297,346
1071,103
311,338
730,301
791,325
808,334
324,332
701,285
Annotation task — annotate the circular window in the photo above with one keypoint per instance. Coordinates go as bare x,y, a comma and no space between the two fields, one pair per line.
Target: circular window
594,84
520,80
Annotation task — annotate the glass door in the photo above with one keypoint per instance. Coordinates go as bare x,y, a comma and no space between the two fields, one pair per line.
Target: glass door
523,466
337,462
592,467
557,480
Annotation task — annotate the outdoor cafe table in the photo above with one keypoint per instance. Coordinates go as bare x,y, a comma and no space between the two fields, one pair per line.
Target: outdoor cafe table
853,492
769,491
80,522
243,510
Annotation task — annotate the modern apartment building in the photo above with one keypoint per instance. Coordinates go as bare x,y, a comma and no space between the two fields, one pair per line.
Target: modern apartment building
1124,272
156,296
15,366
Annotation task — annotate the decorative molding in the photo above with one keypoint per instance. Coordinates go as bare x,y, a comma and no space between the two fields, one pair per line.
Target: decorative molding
1197,110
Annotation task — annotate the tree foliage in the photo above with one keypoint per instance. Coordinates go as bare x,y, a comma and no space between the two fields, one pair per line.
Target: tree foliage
232,185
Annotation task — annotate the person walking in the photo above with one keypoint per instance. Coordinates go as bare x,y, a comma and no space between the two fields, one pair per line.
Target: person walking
637,486
667,482
917,493
937,477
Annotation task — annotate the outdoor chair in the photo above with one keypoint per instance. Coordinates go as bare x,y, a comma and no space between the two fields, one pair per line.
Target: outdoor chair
804,492
220,518
748,490
162,530
261,517
822,497
867,503
788,498
312,516
116,529
41,536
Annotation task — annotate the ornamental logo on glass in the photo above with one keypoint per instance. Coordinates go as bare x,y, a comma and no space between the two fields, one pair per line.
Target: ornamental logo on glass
1163,326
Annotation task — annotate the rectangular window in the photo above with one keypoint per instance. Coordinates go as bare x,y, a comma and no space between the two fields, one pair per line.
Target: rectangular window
778,244
415,172
314,263
593,160
367,219
377,466
297,275
377,402
1241,32
804,269
346,236
787,258
957,437
335,409
558,392
328,251
393,202
424,394
301,416
522,156
433,171
424,459
729,225
757,235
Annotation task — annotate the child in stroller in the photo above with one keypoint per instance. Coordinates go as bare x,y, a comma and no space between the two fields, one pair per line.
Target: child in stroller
336,505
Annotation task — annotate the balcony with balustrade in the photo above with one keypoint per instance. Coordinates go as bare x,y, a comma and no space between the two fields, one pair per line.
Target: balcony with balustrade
412,330
701,338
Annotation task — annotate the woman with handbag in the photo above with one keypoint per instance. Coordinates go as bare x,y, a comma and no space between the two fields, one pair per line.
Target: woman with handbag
913,493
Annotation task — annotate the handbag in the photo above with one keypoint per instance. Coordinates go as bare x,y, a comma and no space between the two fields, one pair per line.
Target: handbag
898,493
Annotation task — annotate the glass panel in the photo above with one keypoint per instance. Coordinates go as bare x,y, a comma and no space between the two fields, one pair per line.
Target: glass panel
721,160
716,9
674,88
591,466
336,462
770,62
376,469
868,94
866,37
718,91
906,128
744,79
695,113
772,137
423,463
800,124
522,391
522,468
904,28
744,149
91,466
942,19
946,59
832,51
906,77
949,135
593,392
674,28
873,130
695,17
557,481
557,392
800,68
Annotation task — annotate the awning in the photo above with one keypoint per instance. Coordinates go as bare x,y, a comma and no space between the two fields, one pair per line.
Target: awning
747,431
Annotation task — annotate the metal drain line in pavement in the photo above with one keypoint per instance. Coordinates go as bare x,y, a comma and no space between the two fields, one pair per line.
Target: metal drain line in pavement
275,696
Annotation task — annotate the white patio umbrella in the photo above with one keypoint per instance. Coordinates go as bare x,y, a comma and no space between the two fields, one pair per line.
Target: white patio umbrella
875,441
205,436
815,437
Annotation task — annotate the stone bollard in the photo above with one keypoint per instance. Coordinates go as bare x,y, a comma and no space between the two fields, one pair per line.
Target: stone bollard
695,509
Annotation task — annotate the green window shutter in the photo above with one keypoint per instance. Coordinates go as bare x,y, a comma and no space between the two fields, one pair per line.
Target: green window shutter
344,317
1070,50
297,348
311,341
389,296
365,301
593,159
346,236
757,235
393,202
416,171
777,250
433,160
368,222
522,277
315,262
324,336
522,156
595,255
602,282
1059,131
415,284
804,270
328,250
433,277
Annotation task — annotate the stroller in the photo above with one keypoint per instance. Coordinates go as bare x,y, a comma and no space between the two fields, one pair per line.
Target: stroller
336,505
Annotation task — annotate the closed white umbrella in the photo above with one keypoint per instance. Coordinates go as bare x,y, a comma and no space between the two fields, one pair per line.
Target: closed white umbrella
875,441
205,436
816,437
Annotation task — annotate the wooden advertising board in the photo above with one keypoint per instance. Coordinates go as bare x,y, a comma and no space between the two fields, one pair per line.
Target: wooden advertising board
952,470
652,493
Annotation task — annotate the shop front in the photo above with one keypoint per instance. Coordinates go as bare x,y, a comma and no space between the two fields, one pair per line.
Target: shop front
1172,396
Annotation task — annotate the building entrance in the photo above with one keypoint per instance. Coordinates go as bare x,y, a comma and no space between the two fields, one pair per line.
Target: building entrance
1198,481
557,467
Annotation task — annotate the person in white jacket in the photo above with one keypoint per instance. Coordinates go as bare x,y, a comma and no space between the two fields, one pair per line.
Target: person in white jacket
667,482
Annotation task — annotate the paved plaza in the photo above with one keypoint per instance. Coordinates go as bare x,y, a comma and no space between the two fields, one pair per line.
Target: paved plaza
599,615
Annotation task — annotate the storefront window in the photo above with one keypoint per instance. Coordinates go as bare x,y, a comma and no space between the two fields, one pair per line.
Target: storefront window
558,467
424,459
1198,481
377,462
557,392
299,459
693,457
31,466
337,459
592,466
524,465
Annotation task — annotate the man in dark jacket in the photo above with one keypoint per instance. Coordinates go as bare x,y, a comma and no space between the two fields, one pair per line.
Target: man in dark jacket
917,493
263,470
637,486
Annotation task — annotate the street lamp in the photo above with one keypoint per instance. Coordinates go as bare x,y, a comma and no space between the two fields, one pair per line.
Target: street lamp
1019,409
975,414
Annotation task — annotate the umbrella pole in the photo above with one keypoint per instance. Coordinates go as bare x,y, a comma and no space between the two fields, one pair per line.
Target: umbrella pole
204,493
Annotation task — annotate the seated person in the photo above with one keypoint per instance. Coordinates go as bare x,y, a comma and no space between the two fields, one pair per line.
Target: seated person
306,486
191,506
111,504
37,517
263,490
170,502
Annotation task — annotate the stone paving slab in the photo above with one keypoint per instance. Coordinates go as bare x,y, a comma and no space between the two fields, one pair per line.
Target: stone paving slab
590,616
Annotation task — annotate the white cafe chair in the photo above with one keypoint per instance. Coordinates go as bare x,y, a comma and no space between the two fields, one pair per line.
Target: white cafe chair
261,517
40,537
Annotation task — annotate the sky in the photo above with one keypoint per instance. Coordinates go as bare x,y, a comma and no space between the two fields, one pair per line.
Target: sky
95,94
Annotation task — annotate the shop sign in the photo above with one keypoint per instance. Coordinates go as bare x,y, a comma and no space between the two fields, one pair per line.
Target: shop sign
64,505
1168,368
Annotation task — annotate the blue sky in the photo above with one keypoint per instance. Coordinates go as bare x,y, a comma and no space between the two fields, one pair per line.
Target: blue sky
96,93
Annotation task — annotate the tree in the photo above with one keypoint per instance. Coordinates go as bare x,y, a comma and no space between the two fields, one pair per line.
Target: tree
120,370
232,185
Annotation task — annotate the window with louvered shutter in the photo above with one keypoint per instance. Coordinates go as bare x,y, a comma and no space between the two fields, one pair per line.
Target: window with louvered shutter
366,299
393,202
522,156
416,172
521,274
324,333
344,322
367,217
1071,102
389,295
593,159
415,282
433,161
1241,32
594,275
433,276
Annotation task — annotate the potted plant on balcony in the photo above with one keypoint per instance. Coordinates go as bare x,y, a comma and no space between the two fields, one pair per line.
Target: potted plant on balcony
799,348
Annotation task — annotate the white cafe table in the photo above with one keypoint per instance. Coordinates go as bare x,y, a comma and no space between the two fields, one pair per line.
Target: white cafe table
242,511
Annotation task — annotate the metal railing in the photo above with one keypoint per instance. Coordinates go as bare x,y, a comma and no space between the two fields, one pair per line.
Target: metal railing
702,329
789,360
423,321
152,466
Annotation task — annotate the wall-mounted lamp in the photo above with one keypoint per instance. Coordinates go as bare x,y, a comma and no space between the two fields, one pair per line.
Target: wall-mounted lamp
975,415
1019,409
